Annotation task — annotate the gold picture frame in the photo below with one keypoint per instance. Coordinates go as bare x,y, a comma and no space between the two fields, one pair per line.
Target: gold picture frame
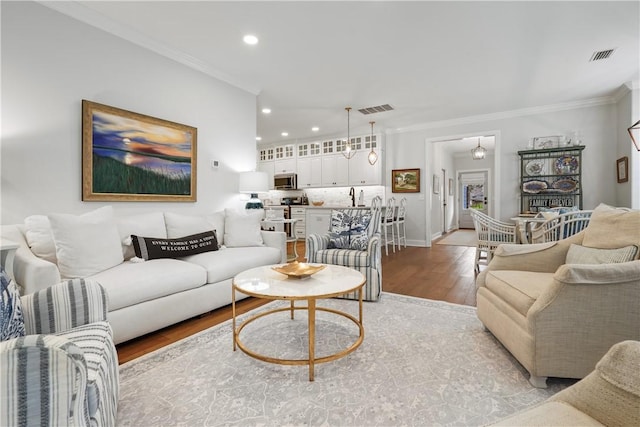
128,156
405,181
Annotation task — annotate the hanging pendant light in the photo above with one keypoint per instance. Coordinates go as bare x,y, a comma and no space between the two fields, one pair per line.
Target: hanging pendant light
349,150
479,152
372,157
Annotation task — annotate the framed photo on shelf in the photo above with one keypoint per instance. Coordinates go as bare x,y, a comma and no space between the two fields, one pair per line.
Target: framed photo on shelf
405,180
128,156
622,169
544,142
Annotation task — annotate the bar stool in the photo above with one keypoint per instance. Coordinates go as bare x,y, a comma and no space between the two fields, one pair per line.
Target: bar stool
399,223
376,202
387,223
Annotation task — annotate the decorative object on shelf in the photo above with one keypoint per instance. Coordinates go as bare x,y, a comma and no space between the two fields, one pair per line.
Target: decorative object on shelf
405,181
635,128
564,185
534,186
622,168
128,156
544,142
254,183
566,164
298,270
534,167
318,203
349,150
479,152
372,157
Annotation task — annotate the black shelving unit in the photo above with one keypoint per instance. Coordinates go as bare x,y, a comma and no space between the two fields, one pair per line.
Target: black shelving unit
550,178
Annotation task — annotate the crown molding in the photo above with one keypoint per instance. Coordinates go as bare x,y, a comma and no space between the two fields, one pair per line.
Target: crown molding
593,102
84,14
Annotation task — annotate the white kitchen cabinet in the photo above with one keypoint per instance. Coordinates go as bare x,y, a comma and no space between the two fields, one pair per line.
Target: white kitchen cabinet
285,152
363,173
267,167
309,172
335,171
266,154
317,221
307,149
300,226
284,166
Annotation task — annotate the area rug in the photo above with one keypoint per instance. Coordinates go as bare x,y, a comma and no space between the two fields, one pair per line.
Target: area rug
460,238
422,363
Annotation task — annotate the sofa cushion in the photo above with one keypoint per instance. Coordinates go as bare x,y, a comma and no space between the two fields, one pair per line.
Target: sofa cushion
179,225
148,224
86,244
346,257
153,248
242,228
519,289
226,263
578,254
350,229
11,318
131,283
611,228
39,237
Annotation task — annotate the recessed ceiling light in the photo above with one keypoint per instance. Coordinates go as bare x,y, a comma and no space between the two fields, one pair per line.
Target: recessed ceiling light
258,138
250,39
266,110
315,129
285,134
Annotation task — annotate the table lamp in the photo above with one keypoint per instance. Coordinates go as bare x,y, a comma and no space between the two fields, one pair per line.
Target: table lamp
254,183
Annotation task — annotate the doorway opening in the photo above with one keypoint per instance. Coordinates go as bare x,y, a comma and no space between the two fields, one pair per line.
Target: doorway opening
474,190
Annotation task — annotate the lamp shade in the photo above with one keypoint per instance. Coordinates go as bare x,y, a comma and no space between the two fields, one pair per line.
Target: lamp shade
254,183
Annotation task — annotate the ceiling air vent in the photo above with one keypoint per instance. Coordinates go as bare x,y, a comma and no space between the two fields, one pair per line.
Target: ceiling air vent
603,54
376,109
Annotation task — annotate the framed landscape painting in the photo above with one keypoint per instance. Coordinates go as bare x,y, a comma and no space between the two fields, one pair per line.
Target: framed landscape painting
132,157
405,180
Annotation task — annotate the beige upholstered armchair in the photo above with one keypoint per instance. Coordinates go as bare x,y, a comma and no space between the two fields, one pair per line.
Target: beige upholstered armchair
559,306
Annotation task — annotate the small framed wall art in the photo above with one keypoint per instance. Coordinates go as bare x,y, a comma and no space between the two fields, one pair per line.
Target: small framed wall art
128,156
405,180
436,184
622,168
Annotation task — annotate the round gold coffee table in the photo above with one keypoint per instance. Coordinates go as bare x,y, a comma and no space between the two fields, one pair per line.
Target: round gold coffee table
265,283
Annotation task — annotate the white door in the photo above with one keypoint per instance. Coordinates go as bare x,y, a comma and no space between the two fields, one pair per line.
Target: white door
472,195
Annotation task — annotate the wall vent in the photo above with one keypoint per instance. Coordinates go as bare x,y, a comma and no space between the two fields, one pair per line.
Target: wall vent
376,109
603,54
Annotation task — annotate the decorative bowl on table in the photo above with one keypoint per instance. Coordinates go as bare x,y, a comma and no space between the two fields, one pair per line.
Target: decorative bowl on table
318,203
298,270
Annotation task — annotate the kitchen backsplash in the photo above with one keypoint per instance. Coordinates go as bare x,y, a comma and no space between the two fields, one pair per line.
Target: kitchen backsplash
332,196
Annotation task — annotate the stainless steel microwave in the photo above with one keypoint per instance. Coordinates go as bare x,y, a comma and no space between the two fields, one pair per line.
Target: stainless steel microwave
285,181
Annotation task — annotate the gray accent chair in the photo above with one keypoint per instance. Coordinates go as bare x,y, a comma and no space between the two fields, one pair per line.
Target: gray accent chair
65,370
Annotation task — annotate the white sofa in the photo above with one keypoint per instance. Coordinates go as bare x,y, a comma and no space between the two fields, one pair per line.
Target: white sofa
145,296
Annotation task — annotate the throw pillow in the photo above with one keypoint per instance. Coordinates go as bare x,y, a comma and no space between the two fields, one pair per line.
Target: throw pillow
583,255
179,225
148,224
340,232
153,248
11,316
39,237
86,244
242,228
611,228
359,235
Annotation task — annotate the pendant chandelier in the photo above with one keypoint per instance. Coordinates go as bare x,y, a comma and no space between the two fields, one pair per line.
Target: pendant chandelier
349,150
372,157
479,152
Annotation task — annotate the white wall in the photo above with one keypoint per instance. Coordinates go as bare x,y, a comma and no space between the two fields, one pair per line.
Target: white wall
596,122
50,62
628,112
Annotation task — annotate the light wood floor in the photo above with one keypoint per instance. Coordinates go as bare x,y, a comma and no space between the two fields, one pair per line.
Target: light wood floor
441,272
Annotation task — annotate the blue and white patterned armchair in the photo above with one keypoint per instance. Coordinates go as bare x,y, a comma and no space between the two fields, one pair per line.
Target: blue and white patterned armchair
348,232
64,371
